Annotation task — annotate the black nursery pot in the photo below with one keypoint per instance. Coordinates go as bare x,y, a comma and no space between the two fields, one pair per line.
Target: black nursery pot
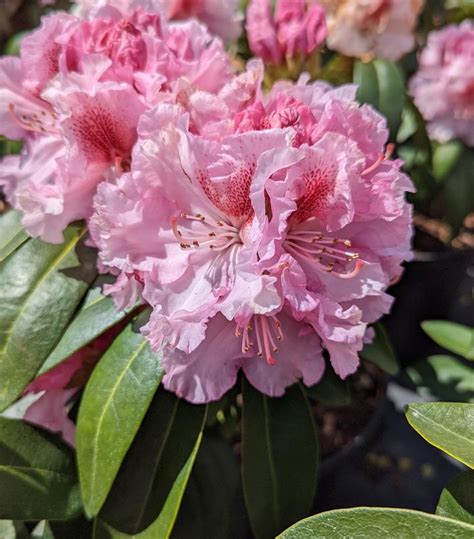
436,286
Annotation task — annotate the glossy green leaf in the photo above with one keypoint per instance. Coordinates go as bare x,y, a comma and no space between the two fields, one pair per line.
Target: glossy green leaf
458,190
162,527
457,499
446,157
378,523
445,378
331,390
454,337
381,85
12,233
40,286
162,447
97,315
365,77
446,425
213,504
114,403
380,352
42,531
280,454
9,529
37,475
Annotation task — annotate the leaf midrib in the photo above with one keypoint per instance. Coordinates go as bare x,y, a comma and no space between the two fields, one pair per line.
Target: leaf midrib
273,477
109,399
57,260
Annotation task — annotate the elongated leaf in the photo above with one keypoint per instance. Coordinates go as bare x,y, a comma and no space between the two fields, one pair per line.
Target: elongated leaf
457,499
380,351
459,190
391,92
454,337
42,531
378,523
97,315
446,157
365,77
381,85
162,527
12,233
40,286
280,459
37,475
446,425
445,378
162,447
330,391
213,503
115,401
10,529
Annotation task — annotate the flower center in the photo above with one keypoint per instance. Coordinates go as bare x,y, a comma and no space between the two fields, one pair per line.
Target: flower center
331,255
267,331
198,231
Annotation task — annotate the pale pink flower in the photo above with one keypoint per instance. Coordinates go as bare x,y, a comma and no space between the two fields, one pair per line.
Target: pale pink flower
296,28
75,97
269,244
368,28
443,87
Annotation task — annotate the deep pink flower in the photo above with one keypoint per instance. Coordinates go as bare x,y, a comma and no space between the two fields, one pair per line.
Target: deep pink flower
443,87
296,28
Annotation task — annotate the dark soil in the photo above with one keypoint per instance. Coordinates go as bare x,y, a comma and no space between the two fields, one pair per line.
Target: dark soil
338,427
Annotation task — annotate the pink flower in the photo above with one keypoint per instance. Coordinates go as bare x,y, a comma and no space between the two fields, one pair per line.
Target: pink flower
75,97
297,28
368,28
269,244
443,87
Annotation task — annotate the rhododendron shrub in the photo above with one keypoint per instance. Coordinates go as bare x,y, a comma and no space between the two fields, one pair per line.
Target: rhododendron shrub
204,206
275,240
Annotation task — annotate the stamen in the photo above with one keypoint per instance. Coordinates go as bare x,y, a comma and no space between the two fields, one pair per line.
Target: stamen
329,255
380,159
31,122
216,235
267,331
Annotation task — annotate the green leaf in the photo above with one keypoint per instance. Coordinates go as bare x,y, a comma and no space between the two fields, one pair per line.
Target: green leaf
331,390
380,352
10,529
12,233
114,403
213,503
162,527
37,475
445,378
454,337
446,157
457,499
42,531
40,286
97,315
459,190
381,85
365,77
162,447
377,523
446,425
280,455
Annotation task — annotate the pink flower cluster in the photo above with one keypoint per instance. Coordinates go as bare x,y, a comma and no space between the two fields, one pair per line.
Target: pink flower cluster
368,28
261,243
443,88
297,27
75,97
262,230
